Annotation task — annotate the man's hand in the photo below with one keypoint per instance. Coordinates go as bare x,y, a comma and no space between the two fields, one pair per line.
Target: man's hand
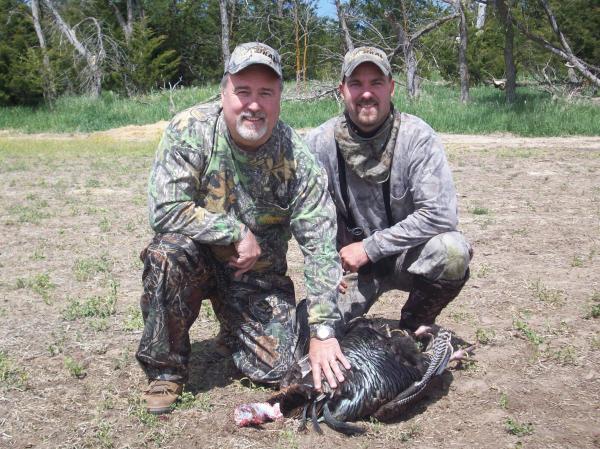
343,287
353,257
324,356
248,253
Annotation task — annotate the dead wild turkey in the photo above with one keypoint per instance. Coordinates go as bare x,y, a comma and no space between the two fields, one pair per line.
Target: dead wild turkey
388,372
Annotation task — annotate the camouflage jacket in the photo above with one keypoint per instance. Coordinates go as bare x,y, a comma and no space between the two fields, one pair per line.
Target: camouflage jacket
205,187
422,194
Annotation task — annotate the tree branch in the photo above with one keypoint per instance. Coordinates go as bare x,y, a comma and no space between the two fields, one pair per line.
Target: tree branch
432,25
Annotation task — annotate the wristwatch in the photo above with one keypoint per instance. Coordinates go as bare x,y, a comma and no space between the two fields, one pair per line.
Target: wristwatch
322,332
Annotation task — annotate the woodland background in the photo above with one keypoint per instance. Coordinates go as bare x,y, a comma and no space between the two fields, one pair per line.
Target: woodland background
55,48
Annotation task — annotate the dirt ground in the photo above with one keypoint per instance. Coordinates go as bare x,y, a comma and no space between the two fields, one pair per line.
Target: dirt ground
74,224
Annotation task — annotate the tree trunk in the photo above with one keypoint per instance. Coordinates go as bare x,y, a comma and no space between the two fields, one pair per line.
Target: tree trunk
280,9
463,69
297,45
93,59
126,25
412,79
48,76
479,24
305,56
509,61
343,26
224,33
407,44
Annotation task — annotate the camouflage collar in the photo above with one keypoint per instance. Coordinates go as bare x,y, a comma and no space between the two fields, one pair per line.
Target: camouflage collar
369,158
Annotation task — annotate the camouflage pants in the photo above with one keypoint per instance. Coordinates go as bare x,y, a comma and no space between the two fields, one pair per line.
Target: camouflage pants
258,313
443,260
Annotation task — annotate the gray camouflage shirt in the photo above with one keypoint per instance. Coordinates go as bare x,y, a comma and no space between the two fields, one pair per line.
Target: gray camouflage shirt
422,194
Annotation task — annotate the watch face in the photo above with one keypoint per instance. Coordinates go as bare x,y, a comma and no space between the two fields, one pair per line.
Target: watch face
323,333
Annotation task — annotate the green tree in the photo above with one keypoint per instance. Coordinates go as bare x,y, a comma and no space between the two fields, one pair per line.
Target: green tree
147,64
19,83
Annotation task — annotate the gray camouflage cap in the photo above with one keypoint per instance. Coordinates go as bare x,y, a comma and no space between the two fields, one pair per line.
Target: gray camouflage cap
250,53
365,54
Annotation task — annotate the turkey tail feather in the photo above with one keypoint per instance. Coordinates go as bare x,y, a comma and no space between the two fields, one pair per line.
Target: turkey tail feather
441,352
340,426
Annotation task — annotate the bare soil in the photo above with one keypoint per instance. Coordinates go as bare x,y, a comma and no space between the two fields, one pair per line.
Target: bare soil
73,227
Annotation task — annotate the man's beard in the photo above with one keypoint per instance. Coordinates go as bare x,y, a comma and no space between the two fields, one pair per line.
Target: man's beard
370,116
249,133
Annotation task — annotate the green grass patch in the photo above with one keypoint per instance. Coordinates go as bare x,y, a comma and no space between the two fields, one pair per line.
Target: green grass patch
187,401
75,368
105,224
104,435
96,306
514,427
133,320
137,408
84,114
40,284
594,311
503,401
85,269
484,336
44,151
549,295
33,214
531,335
565,355
534,113
11,375
478,210
577,261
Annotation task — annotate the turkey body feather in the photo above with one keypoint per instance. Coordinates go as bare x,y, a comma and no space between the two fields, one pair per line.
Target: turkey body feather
389,370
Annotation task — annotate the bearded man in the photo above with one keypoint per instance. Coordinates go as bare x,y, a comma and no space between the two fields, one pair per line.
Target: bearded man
229,187
395,198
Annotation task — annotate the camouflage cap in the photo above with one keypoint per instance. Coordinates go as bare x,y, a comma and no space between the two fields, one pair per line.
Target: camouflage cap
365,54
249,53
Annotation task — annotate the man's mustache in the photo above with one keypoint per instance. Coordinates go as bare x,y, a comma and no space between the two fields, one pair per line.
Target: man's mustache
260,115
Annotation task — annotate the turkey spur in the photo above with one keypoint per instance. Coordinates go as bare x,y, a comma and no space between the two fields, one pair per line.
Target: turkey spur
388,372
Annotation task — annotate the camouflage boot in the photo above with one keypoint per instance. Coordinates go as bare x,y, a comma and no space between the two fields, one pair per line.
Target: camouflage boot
427,299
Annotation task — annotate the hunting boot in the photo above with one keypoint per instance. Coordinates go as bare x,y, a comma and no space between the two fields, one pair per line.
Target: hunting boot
427,299
161,395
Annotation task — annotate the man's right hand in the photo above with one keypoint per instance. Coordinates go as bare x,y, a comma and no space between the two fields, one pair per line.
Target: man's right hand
248,253
324,357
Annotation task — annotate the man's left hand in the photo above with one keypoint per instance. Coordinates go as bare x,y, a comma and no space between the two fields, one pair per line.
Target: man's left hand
353,257
324,356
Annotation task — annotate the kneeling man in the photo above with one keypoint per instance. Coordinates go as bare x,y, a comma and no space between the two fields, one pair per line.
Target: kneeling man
229,187
395,198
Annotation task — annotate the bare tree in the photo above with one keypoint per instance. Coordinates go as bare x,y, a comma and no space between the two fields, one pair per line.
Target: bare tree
564,51
126,24
297,44
344,26
224,33
48,76
91,49
505,16
407,41
463,68
481,7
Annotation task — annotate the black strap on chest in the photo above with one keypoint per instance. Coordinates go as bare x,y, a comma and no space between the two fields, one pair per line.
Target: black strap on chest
350,222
